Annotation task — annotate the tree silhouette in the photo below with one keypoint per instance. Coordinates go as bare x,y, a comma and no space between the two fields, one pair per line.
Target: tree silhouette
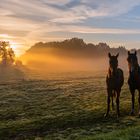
6,53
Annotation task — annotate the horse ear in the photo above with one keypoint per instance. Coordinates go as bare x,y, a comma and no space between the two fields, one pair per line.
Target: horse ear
135,53
109,55
128,52
117,55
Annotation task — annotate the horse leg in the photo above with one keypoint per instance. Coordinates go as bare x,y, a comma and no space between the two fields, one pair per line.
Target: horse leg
139,102
113,94
112,103
108,102
118,103
133,102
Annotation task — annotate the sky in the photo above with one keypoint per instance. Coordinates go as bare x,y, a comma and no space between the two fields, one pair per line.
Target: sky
25,22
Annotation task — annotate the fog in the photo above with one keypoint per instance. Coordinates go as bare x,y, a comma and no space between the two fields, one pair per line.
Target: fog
72,55
42,65
56,63
11,73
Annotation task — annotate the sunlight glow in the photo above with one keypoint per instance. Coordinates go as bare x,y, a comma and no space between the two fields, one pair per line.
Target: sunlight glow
16,46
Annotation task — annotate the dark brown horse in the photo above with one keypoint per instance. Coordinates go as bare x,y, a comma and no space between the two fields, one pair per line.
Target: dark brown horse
134,78
114,81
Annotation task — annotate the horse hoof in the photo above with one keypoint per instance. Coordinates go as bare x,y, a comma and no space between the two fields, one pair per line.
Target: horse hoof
106,115
132,113
118,115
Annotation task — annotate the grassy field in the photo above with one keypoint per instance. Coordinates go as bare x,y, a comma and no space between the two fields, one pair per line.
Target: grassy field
64,106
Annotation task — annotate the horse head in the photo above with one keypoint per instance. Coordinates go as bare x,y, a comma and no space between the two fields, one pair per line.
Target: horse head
132,61
113,62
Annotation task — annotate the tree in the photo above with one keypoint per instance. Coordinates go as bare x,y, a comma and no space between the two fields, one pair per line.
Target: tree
6,53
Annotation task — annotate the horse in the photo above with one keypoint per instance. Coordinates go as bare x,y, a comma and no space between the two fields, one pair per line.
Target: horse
134,78
114,82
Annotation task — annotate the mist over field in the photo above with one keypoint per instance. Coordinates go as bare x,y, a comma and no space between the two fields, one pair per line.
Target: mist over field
72,55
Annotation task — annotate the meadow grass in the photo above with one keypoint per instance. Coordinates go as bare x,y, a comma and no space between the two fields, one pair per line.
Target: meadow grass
64,107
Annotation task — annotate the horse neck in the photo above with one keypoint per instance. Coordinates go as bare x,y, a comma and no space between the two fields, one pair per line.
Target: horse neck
112,72
136,68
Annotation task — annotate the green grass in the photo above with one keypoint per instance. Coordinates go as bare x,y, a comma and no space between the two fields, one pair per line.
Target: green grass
130,133
63,107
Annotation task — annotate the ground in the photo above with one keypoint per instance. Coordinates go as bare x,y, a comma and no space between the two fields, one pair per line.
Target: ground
62,106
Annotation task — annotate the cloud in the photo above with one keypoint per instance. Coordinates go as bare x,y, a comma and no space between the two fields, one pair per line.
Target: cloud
65,10
83,30
75,9
32,20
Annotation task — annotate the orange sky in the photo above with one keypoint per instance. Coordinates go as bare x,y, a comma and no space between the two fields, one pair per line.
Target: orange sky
25,22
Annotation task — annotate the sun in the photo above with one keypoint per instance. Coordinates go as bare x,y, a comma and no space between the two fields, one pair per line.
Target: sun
12,44
14,47
18,44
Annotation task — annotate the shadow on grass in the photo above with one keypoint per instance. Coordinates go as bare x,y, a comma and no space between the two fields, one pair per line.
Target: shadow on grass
48,125
48,108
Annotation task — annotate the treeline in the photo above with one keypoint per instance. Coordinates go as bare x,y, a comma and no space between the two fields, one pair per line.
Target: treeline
76,47
73,54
